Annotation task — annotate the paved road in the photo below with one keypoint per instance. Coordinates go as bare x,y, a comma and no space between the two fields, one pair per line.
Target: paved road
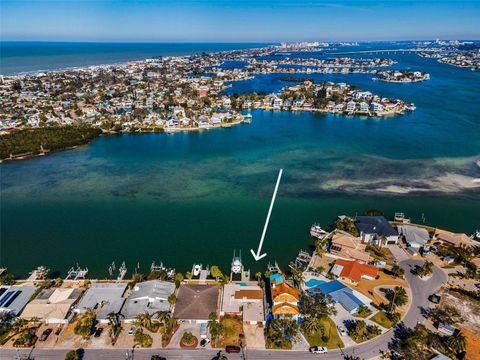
420,291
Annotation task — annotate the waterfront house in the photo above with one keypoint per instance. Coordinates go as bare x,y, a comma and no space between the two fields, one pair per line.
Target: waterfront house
348,298
376,230
352,271
277,103
243,299
196,302
52,306
351,106
454,239
414,236
349,247
103,299
375,106
13,299
148,296
284,298
363,107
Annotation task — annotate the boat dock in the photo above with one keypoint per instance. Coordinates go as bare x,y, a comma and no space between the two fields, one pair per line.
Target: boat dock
76,274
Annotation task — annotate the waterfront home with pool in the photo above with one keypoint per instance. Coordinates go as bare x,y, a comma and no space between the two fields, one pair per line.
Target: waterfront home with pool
350,299
246,299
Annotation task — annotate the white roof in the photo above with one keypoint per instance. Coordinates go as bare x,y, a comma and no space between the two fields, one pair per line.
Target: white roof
103,297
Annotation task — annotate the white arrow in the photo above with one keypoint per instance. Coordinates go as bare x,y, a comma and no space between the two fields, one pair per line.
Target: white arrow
257,255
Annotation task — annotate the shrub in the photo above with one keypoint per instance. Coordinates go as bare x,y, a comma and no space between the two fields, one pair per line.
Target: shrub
72,355
188,338
142,339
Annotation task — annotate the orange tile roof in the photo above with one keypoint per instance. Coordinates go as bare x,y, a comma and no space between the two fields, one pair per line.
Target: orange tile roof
285,308
284,290
354,270
249,294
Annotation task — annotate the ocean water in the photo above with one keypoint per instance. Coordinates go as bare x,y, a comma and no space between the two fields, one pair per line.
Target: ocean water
23,57
195,197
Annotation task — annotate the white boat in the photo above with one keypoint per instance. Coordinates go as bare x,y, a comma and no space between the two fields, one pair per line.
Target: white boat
411,107
237,263
317,232
197,268
247,118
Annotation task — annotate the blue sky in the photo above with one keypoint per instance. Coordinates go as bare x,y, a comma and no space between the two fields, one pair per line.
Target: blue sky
237,20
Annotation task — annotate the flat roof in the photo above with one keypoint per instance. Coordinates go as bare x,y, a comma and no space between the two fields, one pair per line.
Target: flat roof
237,295
103,298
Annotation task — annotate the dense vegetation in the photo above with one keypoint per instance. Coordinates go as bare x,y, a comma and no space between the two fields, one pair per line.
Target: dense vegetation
32,141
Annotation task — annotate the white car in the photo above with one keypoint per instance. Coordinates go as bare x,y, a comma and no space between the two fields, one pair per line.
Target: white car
131,331
342,330
318,350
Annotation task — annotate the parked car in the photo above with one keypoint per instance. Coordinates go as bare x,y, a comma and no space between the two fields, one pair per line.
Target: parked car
232,349
204,342
59,330
318,349
342,330
132,330
45,334
98,332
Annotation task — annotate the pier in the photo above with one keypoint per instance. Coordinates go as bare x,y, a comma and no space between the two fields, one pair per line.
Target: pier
76,274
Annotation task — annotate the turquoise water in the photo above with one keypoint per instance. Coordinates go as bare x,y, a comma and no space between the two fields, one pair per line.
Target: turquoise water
314,282
195,197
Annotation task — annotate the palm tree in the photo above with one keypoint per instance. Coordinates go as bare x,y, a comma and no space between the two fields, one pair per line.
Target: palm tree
320,246
113,319
457,342
144,320
298,276
397,297
258,275
163,317
312,325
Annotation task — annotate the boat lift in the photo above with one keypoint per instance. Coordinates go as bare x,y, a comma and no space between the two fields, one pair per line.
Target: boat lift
76,274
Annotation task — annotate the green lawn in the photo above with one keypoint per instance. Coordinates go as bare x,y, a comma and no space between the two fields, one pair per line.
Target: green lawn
381,319
334,341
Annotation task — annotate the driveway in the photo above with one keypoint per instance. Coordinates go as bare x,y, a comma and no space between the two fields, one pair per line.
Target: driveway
184,327
398,253
254,336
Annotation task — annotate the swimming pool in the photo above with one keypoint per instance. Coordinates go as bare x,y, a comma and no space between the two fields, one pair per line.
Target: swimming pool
314,282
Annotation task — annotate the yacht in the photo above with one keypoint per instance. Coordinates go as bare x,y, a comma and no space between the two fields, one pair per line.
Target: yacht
247,118
197,268
411,107
237,263
317,232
